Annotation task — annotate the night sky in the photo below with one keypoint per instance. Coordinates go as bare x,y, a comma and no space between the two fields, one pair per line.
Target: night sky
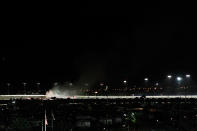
98,41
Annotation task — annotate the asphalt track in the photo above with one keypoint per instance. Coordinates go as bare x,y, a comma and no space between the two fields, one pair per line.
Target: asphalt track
44,97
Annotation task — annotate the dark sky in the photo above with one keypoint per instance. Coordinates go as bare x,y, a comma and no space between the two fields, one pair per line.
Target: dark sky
96,41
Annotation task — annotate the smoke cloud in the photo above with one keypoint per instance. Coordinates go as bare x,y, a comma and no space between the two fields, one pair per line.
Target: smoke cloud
64,90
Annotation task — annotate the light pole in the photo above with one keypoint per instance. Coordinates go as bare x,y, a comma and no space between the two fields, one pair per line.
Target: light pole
146,81
187,85
146,86
24,85
8,85
179,80
106,91
170,85
95,93
38,86
125,87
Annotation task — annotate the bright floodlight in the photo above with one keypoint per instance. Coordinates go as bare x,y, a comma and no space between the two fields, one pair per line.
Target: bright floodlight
146,79
179,78
169,76
125,81
188,76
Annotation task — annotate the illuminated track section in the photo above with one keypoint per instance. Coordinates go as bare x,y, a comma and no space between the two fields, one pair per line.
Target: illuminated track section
132,97
8,97
44,97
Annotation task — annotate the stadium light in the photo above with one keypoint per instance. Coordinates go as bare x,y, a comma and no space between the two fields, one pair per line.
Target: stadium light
179,78
125,81
157,84
24,84
187,76
169,76
8,84
146,79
